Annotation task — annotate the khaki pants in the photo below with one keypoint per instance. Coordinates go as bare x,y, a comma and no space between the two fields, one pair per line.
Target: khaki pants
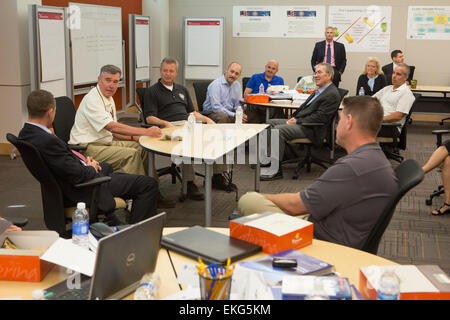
126,155
253,202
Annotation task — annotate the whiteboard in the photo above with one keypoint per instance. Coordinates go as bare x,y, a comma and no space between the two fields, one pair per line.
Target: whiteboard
142,34
96,40
203,48
49,62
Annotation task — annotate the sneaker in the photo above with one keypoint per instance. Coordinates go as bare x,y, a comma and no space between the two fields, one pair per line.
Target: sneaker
193,192
271,177
164,203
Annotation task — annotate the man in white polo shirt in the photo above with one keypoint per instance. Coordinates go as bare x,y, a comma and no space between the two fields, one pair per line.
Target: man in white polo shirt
96,125
396,99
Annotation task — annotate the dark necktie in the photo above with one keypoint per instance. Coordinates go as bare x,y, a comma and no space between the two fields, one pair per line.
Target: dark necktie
328,53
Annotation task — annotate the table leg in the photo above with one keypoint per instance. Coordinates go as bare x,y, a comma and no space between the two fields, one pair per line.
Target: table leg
208,191
267,114
183,185
151,164
258,166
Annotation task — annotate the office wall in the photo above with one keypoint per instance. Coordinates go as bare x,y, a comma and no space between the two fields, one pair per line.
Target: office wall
294,55
14,66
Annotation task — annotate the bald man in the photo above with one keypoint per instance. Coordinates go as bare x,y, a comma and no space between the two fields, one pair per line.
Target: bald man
268,77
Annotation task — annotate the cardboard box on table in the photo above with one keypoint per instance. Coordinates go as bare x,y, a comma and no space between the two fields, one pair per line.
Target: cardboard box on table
422,282
24,264
274,232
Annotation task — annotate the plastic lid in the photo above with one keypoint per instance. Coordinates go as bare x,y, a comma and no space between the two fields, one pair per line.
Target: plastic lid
81,205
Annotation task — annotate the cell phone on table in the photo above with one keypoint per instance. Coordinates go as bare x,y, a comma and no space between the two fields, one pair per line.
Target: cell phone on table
278,262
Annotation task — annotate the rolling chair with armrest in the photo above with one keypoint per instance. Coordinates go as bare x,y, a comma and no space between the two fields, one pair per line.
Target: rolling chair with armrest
57,216
172,169
64,120
440,190
244,83
392,144
329,141
409,174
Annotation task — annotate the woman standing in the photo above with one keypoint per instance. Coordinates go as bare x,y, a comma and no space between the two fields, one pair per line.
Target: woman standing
372,78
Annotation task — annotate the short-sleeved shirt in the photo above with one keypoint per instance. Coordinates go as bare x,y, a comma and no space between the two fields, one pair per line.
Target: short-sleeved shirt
166,104
346,201
258,78
93,114
400,99
222,97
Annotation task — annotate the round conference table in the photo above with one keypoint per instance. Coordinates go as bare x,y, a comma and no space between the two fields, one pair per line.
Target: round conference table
347,262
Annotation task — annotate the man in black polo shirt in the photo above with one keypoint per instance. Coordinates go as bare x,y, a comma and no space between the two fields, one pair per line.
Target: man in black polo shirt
167,101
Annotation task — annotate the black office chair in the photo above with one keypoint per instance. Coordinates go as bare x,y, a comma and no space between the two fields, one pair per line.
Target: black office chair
392,144
440,190
329,141
409,174
201,88
141,93
173,170
244,83
56,214
64,120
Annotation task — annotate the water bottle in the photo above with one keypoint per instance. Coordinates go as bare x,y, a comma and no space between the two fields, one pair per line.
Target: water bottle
148,287
361,91
80,226
238,115
191,120
389,287
261,89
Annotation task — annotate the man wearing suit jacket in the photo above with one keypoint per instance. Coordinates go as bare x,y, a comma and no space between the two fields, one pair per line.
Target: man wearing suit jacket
70,169
397,57
331,52
320,106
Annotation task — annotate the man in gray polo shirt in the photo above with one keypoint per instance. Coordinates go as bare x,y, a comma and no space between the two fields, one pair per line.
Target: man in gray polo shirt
346,201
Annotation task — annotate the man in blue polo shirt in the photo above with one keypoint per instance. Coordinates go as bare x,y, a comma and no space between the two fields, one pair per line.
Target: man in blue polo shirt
268,77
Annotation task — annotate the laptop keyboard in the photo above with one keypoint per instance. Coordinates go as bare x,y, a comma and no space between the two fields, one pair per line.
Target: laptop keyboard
75,294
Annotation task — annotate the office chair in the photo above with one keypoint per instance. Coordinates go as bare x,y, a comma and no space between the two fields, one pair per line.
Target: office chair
141,93
392,144
64,120
201,89
173,170
440,190
409,174
329,141
244,83
56,214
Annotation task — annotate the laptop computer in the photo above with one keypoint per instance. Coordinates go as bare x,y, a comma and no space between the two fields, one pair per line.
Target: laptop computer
121,261
211,246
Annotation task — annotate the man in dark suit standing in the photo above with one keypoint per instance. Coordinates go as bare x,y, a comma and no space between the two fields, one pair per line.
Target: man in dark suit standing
397,57
320,107
331,52
70,168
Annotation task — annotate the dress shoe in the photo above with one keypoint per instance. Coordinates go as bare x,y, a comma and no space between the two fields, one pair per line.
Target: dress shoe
220,182
164,203
193,192
271,177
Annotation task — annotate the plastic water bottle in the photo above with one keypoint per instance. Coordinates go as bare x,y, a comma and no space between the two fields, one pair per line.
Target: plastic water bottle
191,120
238,115
148,287
389,287
80,226
361,91
261,89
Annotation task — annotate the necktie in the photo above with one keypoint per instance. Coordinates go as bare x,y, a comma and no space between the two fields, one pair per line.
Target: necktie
79,155
328,53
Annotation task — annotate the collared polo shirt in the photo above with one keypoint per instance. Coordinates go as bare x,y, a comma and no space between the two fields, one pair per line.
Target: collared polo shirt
165,104
259,78
222,97
400,99
93,114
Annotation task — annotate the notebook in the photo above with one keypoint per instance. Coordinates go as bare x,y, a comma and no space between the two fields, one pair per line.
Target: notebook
211,246
122,259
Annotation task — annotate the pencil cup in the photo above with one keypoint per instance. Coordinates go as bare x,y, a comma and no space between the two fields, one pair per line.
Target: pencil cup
215,289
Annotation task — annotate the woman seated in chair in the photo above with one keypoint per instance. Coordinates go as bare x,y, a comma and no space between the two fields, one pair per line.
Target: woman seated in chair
372,78
441,156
